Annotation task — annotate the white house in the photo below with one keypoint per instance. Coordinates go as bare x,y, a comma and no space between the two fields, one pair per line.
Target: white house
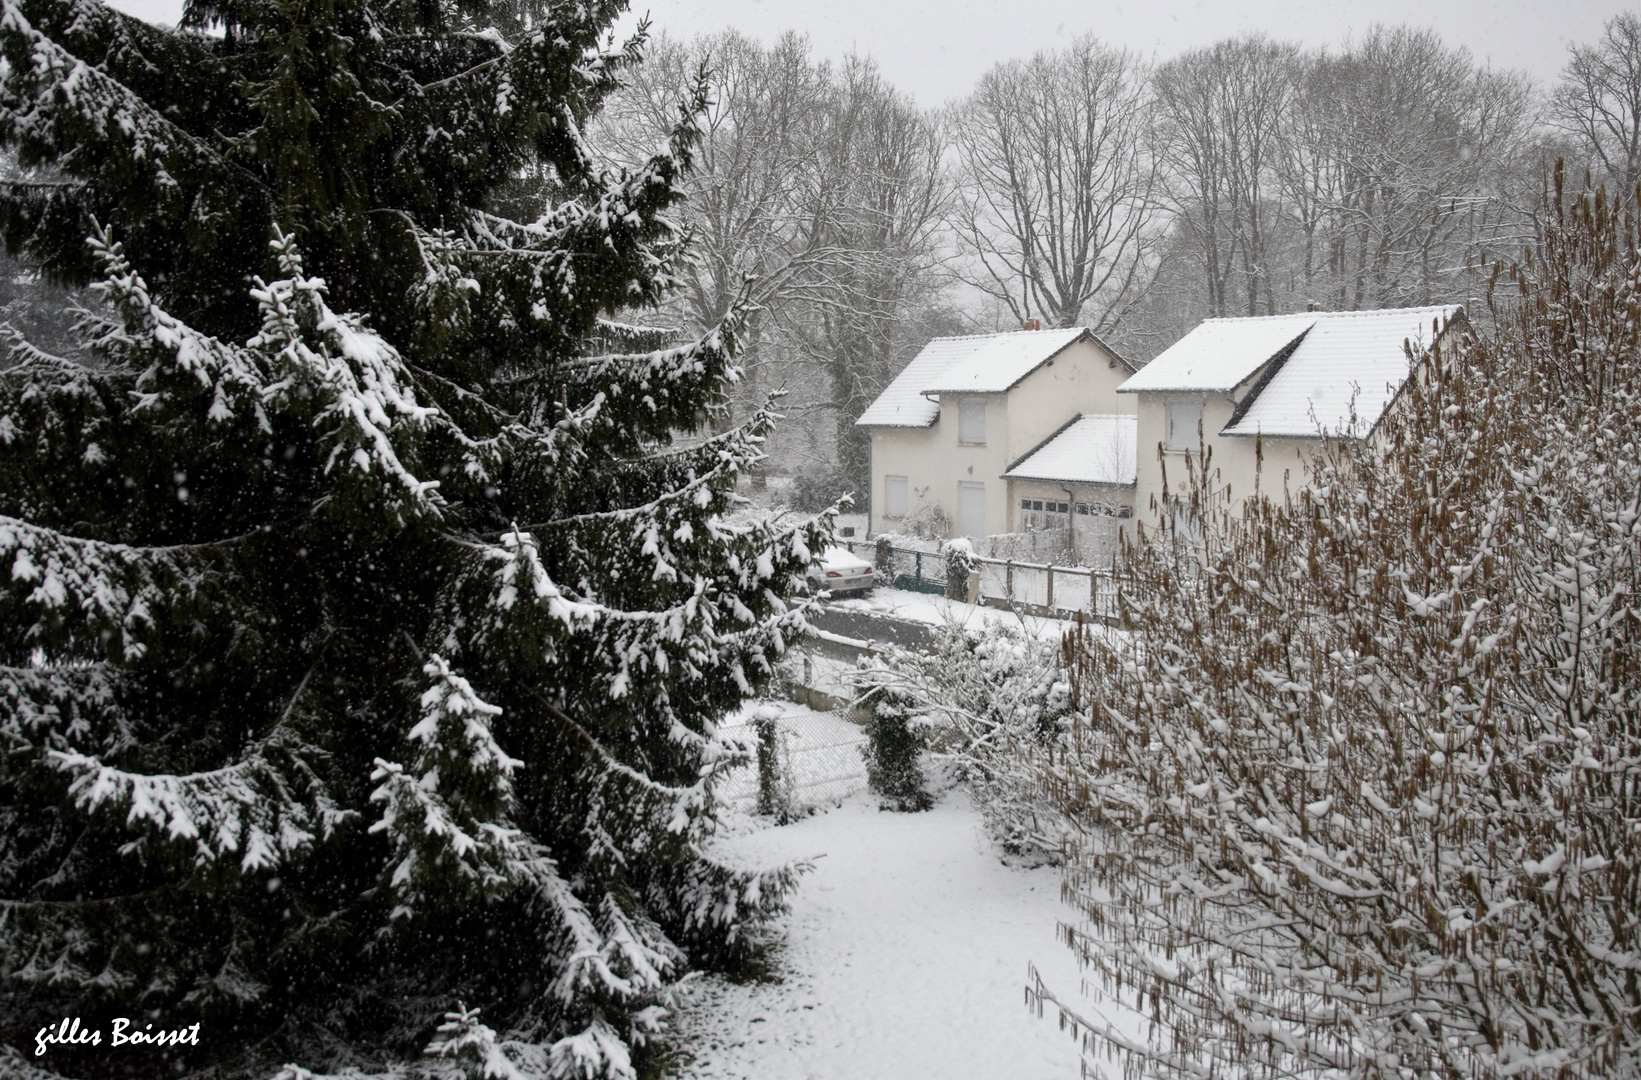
1289,381
951,431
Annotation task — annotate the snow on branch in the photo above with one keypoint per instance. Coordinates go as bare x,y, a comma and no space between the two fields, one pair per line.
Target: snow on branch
261,812
62,708
367,412
655,393
58,101
233,378
114,592
722,903
554,456
698,491
596,1051
472,1046
449,812
1353,792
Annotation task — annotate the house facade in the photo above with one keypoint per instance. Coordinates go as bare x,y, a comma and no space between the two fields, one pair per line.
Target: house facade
1264,393
949,430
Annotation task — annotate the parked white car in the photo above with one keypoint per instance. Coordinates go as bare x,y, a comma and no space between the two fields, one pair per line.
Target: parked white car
841,572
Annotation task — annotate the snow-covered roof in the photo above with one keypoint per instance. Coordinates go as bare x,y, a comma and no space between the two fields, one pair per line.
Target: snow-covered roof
977,364
1219,355
1090,450
1347,357
998,361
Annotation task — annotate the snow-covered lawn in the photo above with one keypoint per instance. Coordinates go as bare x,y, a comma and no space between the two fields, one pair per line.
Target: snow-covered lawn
904,957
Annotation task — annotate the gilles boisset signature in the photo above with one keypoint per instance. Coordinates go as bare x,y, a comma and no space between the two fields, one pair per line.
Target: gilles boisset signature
68,1032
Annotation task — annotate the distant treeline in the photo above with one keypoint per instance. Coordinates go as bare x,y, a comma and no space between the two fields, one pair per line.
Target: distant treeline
1087,185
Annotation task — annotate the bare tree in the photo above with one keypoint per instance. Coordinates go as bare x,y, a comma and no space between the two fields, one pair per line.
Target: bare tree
1059,207
821,189
1598,102
892,195
1390,166
756,208
1222,109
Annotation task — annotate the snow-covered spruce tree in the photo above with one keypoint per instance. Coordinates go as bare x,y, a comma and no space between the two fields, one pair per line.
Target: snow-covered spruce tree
1362,795
354,665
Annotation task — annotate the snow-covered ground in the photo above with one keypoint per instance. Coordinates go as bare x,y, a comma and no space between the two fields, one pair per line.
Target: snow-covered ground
904,957
938,611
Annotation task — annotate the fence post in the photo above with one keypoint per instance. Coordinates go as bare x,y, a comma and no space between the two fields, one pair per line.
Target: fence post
917,568
1008,579
1051,588
974,586
1093,593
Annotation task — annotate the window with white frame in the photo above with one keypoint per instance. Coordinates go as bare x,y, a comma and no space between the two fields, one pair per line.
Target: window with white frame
1184,425
894,496
1036,515
971,426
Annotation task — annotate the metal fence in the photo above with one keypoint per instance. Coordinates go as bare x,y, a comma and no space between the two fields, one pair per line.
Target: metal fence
907,568
820,752
1038,587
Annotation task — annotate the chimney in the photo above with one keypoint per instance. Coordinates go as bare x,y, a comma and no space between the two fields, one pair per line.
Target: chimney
1032,324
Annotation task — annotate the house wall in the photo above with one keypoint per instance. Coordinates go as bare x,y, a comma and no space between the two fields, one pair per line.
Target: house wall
1093,538
1117,497
1233,458
1083,378
907,452
936,465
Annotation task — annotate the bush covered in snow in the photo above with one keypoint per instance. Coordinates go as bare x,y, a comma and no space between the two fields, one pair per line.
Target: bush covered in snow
1362,796
896,736
960,563
988,701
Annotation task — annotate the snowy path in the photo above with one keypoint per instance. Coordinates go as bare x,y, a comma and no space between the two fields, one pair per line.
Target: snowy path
905,958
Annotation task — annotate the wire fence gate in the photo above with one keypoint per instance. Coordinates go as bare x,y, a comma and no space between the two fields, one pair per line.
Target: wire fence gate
819,754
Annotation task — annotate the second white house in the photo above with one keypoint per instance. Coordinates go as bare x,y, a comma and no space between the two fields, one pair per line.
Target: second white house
1289,382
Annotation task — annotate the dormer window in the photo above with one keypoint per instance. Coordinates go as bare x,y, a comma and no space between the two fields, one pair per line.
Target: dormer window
971,424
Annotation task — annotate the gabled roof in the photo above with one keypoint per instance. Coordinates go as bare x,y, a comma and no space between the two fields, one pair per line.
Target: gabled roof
1219,355
977,364
1308,368
998,361
1097,449
1350,361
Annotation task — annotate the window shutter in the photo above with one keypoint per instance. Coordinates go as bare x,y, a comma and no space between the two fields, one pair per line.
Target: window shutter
1184,419
971,426
894,496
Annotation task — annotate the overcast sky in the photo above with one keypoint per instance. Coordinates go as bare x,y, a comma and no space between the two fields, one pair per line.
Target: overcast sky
936,49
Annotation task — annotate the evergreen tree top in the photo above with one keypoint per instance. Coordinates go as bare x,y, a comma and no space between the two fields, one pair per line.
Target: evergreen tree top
428,157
